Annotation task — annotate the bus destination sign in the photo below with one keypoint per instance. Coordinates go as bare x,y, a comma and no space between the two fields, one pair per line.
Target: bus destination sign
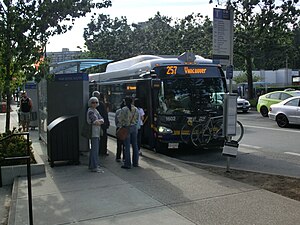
172,70
186,70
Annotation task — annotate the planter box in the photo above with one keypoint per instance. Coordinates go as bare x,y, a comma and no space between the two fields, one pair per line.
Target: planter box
10,172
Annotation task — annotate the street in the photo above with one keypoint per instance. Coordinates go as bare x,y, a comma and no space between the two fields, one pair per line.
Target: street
265,148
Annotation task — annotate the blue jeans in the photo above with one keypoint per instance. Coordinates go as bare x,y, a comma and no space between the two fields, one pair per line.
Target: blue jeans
120,148
94,158
131,138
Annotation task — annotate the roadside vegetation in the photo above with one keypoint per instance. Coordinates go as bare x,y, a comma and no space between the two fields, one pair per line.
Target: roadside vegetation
14,146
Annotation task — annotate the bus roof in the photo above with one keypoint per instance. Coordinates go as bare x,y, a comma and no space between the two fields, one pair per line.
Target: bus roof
126,63
149,61
137,65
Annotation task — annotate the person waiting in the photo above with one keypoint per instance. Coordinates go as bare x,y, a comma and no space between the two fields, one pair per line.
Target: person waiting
128,118
25,110
120,143
103,112
139,124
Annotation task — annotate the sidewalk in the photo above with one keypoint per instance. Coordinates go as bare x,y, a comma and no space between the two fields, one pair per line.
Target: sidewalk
160,191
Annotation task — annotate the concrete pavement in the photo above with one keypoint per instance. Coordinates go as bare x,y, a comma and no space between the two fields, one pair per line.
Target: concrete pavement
160,191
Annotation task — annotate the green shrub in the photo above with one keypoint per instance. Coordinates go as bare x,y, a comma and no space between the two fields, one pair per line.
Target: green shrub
14,146
253,102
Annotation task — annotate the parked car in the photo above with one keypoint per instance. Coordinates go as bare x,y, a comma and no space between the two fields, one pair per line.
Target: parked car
243,105
286,112
266,100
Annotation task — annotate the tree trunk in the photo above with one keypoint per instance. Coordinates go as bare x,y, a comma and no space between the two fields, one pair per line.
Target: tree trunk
249,75
8,97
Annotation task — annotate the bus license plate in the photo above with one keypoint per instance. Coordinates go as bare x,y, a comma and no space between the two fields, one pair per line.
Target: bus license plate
173,145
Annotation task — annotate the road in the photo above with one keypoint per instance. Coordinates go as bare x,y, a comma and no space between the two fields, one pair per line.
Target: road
265,148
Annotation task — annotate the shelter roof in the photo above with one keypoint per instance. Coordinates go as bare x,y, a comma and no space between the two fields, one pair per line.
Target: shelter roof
76,65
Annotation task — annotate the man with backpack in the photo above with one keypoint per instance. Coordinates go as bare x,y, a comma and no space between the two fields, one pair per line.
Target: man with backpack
25,110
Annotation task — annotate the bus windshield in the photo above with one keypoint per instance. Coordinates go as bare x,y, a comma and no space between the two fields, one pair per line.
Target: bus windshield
191,96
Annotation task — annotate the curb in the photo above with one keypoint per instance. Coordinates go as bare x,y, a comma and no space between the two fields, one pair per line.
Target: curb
231,168
13,205
36,169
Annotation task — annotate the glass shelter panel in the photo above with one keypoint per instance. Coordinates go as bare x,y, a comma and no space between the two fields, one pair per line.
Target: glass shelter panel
42,109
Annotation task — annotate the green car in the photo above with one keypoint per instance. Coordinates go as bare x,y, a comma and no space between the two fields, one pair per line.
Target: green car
266,100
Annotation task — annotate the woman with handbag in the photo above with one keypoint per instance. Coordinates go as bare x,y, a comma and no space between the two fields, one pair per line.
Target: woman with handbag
95,119
128,118
120,143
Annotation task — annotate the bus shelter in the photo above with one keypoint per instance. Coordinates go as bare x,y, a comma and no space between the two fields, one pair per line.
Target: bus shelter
66,94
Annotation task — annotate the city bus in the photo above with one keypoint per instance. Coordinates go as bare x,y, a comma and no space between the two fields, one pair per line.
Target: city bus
173,91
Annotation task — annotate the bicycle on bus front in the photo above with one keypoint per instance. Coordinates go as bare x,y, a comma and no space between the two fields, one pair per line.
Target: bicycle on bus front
205,130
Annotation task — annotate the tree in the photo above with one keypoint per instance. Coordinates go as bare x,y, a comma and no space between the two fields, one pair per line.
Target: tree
159,35
295,59
155,36
242,78
115,39
25,26
262,33
194,32
108,38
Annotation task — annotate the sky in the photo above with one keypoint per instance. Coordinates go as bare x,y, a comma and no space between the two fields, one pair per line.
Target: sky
135,11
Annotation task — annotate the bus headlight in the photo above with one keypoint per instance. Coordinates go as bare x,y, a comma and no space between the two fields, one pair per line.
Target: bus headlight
164,130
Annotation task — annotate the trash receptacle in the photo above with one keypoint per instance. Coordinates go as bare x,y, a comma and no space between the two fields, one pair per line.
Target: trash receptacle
33,120
63,140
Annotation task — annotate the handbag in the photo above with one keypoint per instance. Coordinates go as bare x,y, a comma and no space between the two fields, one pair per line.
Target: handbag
86,130
122,133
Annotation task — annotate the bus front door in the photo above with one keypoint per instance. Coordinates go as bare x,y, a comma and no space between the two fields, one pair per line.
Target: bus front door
144,94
